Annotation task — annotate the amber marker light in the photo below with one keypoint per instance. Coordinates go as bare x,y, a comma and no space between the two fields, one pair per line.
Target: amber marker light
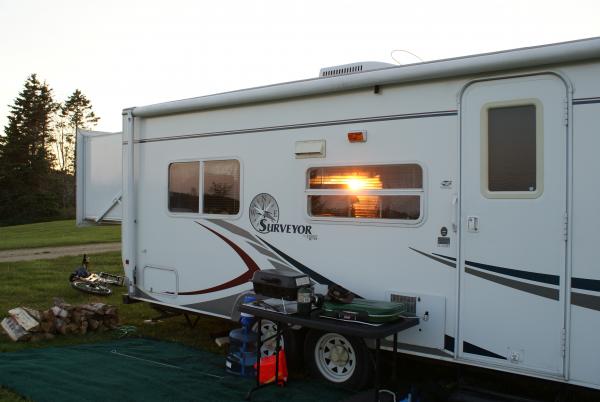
357,136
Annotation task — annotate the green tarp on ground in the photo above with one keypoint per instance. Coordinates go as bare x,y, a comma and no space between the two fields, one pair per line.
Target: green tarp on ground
140,370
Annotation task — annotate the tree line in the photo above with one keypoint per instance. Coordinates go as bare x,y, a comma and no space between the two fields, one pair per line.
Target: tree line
37,154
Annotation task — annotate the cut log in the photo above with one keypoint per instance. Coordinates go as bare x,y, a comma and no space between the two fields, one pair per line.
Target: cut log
34,313
29,324
22,317
76,316
97,308
47,327
83,328
46,314
13,329
59,312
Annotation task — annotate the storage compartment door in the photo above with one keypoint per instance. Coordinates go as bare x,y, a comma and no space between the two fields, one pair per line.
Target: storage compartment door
161,281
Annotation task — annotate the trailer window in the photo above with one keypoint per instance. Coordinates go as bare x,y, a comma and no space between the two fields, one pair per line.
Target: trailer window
392,192
184,182
221,187
512,147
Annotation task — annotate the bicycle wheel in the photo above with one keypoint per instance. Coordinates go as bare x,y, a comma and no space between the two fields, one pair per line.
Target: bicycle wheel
91,288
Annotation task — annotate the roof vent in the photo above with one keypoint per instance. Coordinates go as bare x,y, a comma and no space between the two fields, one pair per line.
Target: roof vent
352,68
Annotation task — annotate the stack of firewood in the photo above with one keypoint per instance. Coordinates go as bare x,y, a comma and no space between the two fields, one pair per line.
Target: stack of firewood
26,324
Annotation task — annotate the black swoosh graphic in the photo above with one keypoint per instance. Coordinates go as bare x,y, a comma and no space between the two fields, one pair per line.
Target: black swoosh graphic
585,101
532,276
445,256
300,267
587,301
440,260
525,287
585,284
476,350
511,283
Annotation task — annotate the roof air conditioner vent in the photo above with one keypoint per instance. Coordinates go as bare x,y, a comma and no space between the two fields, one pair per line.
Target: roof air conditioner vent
352,68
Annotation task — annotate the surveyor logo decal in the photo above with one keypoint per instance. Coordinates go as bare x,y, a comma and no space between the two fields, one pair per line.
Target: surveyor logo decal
264,217
263,211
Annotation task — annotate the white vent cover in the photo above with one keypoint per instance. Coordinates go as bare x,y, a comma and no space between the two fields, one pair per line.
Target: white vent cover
352,68
309,149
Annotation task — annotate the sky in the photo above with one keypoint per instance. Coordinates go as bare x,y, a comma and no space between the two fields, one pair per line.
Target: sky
134,53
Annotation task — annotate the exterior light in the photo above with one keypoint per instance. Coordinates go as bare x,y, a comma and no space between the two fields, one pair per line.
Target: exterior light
357,136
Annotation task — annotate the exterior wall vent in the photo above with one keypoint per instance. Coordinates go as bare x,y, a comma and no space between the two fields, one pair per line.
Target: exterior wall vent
410,301
352,68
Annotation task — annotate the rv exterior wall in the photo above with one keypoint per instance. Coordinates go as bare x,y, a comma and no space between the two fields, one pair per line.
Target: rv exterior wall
414,119
585,222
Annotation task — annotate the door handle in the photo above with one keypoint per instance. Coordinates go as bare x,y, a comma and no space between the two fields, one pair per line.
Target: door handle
473,224
454,212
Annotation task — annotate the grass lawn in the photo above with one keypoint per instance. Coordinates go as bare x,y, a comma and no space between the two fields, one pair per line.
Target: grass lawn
57,233
35,283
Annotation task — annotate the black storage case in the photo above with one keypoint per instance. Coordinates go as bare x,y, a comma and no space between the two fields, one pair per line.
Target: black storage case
278,284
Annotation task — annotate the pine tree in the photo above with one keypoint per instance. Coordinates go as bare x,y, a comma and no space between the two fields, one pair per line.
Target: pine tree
76,113
26,160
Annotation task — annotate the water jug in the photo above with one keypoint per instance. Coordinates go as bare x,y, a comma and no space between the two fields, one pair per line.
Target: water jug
242,352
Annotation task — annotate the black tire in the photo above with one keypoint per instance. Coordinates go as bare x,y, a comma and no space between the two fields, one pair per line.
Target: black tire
294,348
340,359
92,288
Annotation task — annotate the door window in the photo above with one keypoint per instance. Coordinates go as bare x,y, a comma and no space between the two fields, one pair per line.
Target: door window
512,151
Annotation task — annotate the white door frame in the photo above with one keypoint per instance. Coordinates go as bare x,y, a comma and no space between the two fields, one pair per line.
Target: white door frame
569,207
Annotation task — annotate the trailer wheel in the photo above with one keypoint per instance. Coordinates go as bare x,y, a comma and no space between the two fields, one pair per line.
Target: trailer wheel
267,330
291,341
337,358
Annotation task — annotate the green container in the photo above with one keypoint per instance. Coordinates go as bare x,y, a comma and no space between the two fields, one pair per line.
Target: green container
369,311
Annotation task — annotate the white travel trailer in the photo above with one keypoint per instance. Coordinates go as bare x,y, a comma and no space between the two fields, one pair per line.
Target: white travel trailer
466,186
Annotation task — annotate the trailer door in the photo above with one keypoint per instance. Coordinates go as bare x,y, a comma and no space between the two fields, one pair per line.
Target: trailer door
513,217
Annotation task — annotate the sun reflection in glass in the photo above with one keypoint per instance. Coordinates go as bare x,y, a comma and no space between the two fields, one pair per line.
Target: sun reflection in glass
359,182
355,183
363,206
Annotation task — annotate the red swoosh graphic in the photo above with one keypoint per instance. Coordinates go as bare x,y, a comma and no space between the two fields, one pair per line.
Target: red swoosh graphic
243,278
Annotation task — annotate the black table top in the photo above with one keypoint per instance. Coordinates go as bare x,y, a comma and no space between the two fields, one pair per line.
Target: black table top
314,321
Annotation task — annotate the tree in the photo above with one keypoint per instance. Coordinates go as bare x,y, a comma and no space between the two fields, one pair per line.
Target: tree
26,159
76,113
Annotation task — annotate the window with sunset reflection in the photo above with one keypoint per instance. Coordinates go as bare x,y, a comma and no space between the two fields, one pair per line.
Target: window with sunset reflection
366,192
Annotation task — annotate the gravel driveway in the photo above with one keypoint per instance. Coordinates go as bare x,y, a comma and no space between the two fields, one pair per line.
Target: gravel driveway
28,254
